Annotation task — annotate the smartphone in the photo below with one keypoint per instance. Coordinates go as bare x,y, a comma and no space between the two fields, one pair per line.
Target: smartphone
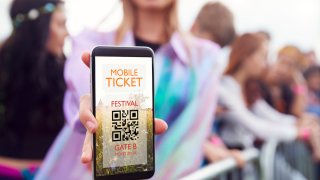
123,103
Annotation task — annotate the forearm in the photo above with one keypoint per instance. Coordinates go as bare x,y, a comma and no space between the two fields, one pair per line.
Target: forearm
299,89
263,128
298,105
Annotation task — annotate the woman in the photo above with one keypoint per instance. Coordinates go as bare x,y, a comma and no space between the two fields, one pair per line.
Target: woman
249,116
312,76
286,88
31,84
185,83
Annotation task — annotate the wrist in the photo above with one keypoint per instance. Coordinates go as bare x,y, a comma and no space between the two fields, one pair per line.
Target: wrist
304,134
299,89
216,141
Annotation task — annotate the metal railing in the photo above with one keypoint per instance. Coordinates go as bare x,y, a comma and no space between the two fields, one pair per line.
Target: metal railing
281,161
275,161
220,169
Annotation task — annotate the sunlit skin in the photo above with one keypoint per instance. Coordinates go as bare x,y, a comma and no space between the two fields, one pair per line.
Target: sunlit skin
256,64
153,5
151,19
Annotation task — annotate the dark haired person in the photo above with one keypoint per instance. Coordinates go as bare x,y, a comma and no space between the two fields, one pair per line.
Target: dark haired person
312,76
31,85
286,86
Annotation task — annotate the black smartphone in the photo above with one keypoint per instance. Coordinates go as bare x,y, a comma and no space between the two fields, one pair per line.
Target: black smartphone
123,104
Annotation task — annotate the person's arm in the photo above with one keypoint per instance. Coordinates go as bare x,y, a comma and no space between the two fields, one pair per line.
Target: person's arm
262,109
215,153
299,89
261,127
299,100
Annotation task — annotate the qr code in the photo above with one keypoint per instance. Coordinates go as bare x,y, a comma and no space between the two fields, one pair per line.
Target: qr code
125,125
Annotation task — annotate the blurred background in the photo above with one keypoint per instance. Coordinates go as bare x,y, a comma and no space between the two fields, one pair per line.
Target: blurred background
261,118
287,21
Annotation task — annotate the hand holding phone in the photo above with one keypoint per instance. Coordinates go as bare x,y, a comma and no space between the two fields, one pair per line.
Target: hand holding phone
91,124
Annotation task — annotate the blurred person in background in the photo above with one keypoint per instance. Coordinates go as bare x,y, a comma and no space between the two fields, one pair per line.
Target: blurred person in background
186,79
31,86
286,86
285,89
248,116
215,23
310,59
312,76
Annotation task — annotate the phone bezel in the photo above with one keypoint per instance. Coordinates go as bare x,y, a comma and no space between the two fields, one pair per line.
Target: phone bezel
120,52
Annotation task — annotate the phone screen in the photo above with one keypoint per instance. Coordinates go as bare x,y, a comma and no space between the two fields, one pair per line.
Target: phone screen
123,97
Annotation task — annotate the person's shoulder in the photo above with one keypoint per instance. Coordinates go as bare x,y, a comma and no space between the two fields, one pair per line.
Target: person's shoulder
203,51
229,83
205,46
228,80
194,44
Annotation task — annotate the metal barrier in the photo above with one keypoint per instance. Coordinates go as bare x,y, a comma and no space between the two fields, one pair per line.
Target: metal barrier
281,161
275,161
220,169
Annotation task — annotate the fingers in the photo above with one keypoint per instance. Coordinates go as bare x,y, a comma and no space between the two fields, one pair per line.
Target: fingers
210,153
89,121
237,155
87,118
160,126
86,58
85,114
215,153
86,156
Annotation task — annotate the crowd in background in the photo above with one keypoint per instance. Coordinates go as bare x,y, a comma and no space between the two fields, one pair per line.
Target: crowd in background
215,105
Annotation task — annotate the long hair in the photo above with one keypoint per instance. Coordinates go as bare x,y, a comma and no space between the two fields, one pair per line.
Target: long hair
243,47
24,58
295,55
26,46
129,20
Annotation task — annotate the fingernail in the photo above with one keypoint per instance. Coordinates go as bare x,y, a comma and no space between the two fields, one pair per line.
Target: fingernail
83,154
166,126
90,125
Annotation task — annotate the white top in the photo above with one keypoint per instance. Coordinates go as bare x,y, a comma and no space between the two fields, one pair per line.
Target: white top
242,126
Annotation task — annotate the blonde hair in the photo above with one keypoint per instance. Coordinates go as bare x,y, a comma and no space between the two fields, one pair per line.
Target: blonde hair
295,55
129,20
